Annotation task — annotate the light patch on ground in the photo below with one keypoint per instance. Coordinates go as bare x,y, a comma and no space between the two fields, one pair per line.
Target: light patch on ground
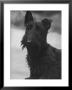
54,39
15,37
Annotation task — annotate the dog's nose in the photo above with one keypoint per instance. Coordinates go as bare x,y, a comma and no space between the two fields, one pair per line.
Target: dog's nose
28,42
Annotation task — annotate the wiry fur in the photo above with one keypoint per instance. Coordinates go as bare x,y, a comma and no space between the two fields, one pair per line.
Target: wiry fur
43,59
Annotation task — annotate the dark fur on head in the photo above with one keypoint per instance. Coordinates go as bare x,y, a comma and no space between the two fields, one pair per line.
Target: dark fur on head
44,60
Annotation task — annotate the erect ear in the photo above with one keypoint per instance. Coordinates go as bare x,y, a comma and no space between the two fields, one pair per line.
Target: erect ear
28,17
47,23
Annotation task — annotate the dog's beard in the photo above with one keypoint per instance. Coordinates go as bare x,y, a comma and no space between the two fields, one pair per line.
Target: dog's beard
33,49
23,44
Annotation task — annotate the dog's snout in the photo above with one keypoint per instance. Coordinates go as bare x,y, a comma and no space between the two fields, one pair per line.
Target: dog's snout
28,41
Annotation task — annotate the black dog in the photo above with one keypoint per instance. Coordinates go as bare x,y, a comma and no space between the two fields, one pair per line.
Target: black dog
44,60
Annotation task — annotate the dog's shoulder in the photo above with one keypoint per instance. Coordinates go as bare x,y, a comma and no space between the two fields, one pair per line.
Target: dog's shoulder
52,53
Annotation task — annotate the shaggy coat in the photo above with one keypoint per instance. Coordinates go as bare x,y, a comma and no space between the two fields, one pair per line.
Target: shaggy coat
43,59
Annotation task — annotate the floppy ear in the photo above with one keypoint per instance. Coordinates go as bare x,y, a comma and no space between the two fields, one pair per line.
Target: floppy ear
28,17
47,23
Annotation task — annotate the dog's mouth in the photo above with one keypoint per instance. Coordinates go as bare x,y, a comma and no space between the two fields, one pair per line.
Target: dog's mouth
31,45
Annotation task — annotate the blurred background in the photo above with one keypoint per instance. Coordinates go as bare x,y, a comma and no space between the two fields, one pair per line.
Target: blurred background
18,65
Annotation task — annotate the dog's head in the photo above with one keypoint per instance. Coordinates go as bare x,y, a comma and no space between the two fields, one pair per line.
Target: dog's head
36,32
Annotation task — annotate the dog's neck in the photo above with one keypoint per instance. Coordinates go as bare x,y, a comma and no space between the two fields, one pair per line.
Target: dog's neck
37,53
34,61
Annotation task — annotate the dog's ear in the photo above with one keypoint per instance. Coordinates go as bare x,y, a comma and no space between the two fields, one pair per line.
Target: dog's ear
47,23
28,17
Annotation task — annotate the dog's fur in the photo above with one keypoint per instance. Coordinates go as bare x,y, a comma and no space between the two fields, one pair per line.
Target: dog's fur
43,59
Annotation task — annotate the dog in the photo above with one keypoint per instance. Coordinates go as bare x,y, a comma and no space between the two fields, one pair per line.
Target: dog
43,59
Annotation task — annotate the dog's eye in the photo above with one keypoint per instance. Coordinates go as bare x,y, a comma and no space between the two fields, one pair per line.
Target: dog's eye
29,26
